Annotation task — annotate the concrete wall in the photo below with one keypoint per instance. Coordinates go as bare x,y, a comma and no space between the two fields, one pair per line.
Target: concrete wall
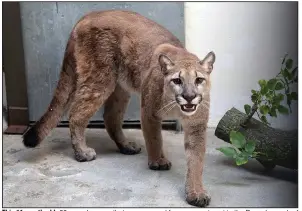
46,27
249,39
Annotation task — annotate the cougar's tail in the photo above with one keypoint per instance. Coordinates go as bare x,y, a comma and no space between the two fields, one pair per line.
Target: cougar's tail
51,117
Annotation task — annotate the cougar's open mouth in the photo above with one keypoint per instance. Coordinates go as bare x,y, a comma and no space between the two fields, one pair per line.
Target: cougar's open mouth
188,107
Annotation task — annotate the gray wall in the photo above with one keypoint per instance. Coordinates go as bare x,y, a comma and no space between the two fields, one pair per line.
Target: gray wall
46,27
250,40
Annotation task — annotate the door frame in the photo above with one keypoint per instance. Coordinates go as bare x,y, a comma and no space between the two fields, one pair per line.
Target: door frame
13,65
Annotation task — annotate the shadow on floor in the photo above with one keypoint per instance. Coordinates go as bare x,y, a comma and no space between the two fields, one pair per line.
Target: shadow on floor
254,167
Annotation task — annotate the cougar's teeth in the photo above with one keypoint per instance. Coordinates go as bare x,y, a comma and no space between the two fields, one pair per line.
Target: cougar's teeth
188,107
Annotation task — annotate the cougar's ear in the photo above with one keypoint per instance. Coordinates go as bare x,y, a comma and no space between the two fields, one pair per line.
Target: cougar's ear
166,63
208,62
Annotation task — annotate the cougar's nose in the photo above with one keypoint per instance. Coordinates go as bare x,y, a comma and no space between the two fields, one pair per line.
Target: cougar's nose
189,97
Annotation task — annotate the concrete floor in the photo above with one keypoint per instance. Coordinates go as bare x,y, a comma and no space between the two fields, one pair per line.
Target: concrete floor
49,176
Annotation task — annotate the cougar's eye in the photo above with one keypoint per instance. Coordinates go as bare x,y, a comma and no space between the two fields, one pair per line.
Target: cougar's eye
177,81
199,80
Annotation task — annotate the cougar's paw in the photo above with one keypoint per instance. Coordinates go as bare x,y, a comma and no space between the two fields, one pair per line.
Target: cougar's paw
160,164
130,148
201,199
86,154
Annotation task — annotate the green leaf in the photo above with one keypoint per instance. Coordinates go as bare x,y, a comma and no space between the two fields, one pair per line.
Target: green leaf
263,119
272,83
286,73
289,63
282,109
241,159
247,109
289,97
228,151
279,86
264,109
278,98
264,90
294,95
290,76
250,146
254,98
245,153
269,94
237,139
273,112
254,91
262,83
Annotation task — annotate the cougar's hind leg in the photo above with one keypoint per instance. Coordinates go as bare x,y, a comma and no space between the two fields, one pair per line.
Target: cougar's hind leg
95,53
89,97
115,108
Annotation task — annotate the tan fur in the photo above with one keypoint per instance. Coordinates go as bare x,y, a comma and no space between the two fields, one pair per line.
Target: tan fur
113,53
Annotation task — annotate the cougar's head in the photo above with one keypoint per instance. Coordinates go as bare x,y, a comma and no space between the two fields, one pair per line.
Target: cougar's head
187,81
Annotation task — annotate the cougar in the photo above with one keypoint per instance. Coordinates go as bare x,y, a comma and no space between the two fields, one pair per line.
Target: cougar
111,54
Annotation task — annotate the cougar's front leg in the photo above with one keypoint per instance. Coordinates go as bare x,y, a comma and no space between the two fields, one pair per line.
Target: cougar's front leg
195,144
152,133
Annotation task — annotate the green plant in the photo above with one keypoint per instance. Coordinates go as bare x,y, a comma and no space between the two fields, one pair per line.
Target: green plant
266,101
241,150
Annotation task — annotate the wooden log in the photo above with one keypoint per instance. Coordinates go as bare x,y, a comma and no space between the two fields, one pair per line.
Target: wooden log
280,146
